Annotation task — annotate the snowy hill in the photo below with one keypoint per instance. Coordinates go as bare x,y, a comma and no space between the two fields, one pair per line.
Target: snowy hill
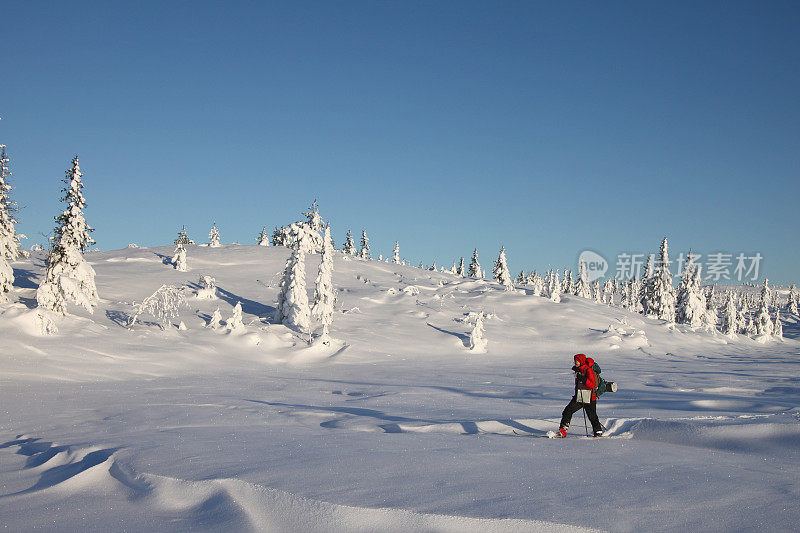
397,425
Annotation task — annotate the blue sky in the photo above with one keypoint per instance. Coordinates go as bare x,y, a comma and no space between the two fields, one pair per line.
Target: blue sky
549,128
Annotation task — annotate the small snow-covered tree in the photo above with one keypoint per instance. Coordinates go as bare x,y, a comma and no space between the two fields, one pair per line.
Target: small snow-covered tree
500,271
522,278
432,268
537,285
792,303
69,277
349,246
183,238
179,258
292,308
597,292
263,238
763,322
215,319
475,267
477,342
777,330
278,236
163,305
729,316
234,323
213,236
396,253
363,252
554,289
646,287
710,317
207,288
582,287
324,293
460,269
691,305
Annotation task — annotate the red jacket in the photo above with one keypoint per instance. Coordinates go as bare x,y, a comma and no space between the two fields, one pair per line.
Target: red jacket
584,375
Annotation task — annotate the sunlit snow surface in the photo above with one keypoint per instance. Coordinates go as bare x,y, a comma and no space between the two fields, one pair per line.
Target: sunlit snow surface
396,426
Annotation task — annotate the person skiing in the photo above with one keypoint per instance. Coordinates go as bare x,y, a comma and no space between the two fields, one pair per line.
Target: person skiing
585,396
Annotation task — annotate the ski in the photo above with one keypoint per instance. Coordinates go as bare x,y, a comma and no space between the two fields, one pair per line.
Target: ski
548,435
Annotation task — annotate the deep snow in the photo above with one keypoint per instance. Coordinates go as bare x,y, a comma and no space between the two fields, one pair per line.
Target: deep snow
398,426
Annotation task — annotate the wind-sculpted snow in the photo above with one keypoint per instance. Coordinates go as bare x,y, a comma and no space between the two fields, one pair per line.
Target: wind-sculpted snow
237,423
83,481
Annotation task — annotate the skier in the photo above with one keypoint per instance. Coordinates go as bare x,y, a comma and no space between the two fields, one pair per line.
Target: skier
585,396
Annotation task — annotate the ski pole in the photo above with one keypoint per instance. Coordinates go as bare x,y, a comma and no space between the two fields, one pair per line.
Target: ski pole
585,428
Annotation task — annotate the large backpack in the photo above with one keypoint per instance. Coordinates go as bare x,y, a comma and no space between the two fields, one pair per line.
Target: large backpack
601,383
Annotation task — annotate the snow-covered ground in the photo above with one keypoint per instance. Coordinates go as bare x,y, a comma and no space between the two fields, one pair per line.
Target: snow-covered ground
398,427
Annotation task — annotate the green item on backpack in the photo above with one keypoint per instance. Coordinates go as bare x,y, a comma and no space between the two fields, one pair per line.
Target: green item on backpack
601,383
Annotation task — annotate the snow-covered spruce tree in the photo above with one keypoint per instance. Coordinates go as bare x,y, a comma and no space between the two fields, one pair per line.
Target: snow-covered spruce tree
792,304
663,303
742,313
554,290
234,323
582,287
710,317
9,241
263,238
460,269
213,237
777,330
69,277
646,287
183,237
396,253
314,226
363,252
292,308
475,267
349,246
537,285
568,285
179,258
522,278
763,322
432,268
277,236
691,305
324,294
729,325
597,292
500,271
477,342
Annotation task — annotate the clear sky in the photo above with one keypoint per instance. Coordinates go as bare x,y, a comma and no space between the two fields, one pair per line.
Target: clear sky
549,128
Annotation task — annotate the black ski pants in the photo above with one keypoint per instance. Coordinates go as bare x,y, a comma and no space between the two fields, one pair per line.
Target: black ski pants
591,411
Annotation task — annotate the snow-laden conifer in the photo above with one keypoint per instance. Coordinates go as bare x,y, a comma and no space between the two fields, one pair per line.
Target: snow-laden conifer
477,342
292,308
234,323
792,303
349,246
522,278
475,270
314,226
537,285
763,322
215,319
9,241
710,317
207,288
554,290
460,269
597,292
729,325
582,287
163,305
396,253
662,304
183,237
324,293
179,258
777,330
363,252
277,236
213,236
263,238
500,270
646,287
691,305
69,277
